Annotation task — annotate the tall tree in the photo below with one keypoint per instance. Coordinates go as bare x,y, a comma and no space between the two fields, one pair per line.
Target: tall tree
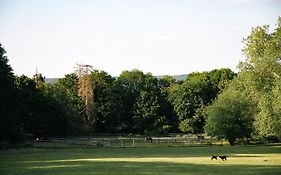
9,126
258,85
149,112
166,85
65,93
263,67
104,101
85,90
127,88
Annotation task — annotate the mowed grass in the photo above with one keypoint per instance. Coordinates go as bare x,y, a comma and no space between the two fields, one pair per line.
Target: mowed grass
147,160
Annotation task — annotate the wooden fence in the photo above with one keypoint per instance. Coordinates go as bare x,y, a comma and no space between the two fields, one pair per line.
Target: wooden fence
137,141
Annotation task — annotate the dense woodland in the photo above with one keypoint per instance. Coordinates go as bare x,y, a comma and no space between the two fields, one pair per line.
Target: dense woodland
220,103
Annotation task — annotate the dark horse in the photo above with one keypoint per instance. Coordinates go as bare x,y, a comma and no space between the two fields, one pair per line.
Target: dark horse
223,158
148,139
214,157
200,138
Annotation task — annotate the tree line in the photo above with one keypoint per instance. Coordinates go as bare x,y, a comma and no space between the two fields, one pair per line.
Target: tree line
93,101
221,103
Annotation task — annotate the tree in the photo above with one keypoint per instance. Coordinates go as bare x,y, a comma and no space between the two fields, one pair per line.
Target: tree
146,112
40,114
127,88
276,126
149,112
190,98
257,87
39,80
10,129
65,93
263,69
167,81
104,101
140,104
221,78
194,93
168,86
230,117
85,91
26,91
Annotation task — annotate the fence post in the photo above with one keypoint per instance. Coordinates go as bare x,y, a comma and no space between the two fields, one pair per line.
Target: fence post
133,142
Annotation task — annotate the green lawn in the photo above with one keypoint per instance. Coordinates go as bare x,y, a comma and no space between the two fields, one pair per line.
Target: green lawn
148,160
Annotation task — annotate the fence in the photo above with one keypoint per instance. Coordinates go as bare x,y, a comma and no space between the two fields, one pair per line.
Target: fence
137,141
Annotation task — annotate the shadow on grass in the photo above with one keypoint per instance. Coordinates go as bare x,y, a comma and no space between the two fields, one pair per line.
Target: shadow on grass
90,152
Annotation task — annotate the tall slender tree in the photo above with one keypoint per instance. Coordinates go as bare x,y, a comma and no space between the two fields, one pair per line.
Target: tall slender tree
85,90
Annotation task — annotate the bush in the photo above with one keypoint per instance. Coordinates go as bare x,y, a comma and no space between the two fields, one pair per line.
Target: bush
270,139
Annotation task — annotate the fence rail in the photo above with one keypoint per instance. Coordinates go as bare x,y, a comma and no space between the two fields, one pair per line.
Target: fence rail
132,141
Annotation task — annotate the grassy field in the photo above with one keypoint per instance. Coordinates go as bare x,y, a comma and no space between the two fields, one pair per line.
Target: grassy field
63,160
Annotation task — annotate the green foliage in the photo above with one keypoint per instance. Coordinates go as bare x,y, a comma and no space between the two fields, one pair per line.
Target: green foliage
268,119
146,111
230,117
221,78
257,87
65,94
169,86
141,103
263,64
104,100
197,91
40,114
127,88
167,81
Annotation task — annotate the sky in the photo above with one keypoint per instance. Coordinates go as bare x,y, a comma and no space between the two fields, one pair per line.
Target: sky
163,37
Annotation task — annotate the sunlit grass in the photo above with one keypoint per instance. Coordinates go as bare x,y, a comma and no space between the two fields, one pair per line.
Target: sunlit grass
242,159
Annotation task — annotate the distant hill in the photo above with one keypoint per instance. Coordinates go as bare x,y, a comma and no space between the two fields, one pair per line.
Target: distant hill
177,77
181,77
51,80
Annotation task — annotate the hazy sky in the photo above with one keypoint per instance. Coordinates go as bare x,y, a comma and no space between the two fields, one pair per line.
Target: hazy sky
157,36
